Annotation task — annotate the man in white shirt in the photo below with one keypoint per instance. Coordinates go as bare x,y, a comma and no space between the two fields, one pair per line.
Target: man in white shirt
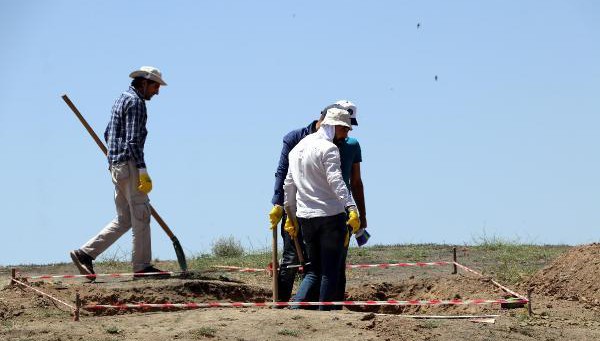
317,194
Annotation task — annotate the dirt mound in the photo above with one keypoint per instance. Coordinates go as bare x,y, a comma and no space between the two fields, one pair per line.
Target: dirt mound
573,276
5,311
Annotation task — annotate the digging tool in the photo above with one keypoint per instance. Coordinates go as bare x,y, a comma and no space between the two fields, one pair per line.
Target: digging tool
178,250
274,263
292,216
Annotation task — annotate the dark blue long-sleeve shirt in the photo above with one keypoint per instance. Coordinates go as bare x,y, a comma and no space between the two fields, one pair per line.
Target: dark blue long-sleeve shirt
290,140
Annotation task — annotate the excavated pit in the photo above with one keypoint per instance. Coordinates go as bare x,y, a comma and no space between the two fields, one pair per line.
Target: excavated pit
440,288
199,291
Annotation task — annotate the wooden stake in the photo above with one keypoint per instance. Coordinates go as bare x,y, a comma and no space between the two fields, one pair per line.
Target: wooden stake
77,307
275,266
13,275
529,308
454,258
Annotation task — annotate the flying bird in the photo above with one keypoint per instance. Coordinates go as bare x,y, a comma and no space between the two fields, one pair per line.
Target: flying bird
436,78
418,25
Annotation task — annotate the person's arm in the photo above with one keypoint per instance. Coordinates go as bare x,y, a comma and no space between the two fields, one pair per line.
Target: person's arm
290,190
358,193
280,174
331,162
134,120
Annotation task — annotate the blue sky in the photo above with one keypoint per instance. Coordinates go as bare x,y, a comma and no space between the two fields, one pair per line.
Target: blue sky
504,143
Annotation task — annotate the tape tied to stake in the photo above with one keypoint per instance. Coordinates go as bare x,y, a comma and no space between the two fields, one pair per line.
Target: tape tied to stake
193,305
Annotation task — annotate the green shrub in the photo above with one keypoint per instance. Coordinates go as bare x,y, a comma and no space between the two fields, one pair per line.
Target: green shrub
289,332
227,247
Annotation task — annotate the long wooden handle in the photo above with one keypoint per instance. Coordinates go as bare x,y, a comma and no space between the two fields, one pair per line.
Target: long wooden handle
85,124
275,266
178,249
299,251
288,211
102,147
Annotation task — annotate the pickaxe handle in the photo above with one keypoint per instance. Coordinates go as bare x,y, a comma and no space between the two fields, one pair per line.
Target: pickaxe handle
292,216
178,249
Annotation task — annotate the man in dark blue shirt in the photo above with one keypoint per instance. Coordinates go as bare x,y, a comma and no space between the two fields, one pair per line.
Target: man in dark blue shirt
125,137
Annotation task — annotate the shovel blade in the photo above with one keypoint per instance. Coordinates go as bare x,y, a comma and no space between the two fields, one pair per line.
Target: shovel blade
180,255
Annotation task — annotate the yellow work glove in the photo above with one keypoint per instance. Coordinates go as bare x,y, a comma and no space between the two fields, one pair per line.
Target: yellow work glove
353,219
145,183
275,215
290,228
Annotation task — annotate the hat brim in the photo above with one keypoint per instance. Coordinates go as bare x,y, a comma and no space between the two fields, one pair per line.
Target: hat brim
336,123
147,75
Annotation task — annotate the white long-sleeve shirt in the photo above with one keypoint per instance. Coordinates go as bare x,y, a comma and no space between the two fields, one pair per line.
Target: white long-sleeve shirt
314,185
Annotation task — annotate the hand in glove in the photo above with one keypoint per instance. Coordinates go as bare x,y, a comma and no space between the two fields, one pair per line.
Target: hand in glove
290,228
353,219
144,183
275,215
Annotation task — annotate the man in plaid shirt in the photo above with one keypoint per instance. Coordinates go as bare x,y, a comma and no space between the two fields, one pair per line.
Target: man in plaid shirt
125,136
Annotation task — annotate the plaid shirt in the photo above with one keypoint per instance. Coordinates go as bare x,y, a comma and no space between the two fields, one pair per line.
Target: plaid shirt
126,132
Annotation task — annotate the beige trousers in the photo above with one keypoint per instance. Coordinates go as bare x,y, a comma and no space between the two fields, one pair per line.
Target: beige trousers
133,211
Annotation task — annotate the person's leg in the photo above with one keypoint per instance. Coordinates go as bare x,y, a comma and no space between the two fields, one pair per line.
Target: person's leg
121,223
139,205
331,240
287,276
312,271
341,285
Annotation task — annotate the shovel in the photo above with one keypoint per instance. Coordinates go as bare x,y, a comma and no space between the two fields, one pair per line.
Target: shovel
178,250
291,214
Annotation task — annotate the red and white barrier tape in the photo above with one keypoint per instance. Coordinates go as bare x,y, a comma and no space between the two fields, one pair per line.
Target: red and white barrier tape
193,305
493,281
238,268
234,269
116,275
348,266
392,265
43,293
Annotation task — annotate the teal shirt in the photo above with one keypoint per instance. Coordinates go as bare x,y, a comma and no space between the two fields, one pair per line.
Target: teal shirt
349,155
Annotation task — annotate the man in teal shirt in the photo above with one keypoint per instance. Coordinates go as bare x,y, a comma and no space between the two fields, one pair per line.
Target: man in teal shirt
350,158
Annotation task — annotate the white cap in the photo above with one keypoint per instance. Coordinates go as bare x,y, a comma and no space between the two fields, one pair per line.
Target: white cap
346,105
337,117
148,72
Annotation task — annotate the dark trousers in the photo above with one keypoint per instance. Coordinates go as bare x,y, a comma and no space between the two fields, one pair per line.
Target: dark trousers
341,286
287,276
340,290
324,242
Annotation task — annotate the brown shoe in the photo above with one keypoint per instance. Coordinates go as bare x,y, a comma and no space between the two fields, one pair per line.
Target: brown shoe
83,262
